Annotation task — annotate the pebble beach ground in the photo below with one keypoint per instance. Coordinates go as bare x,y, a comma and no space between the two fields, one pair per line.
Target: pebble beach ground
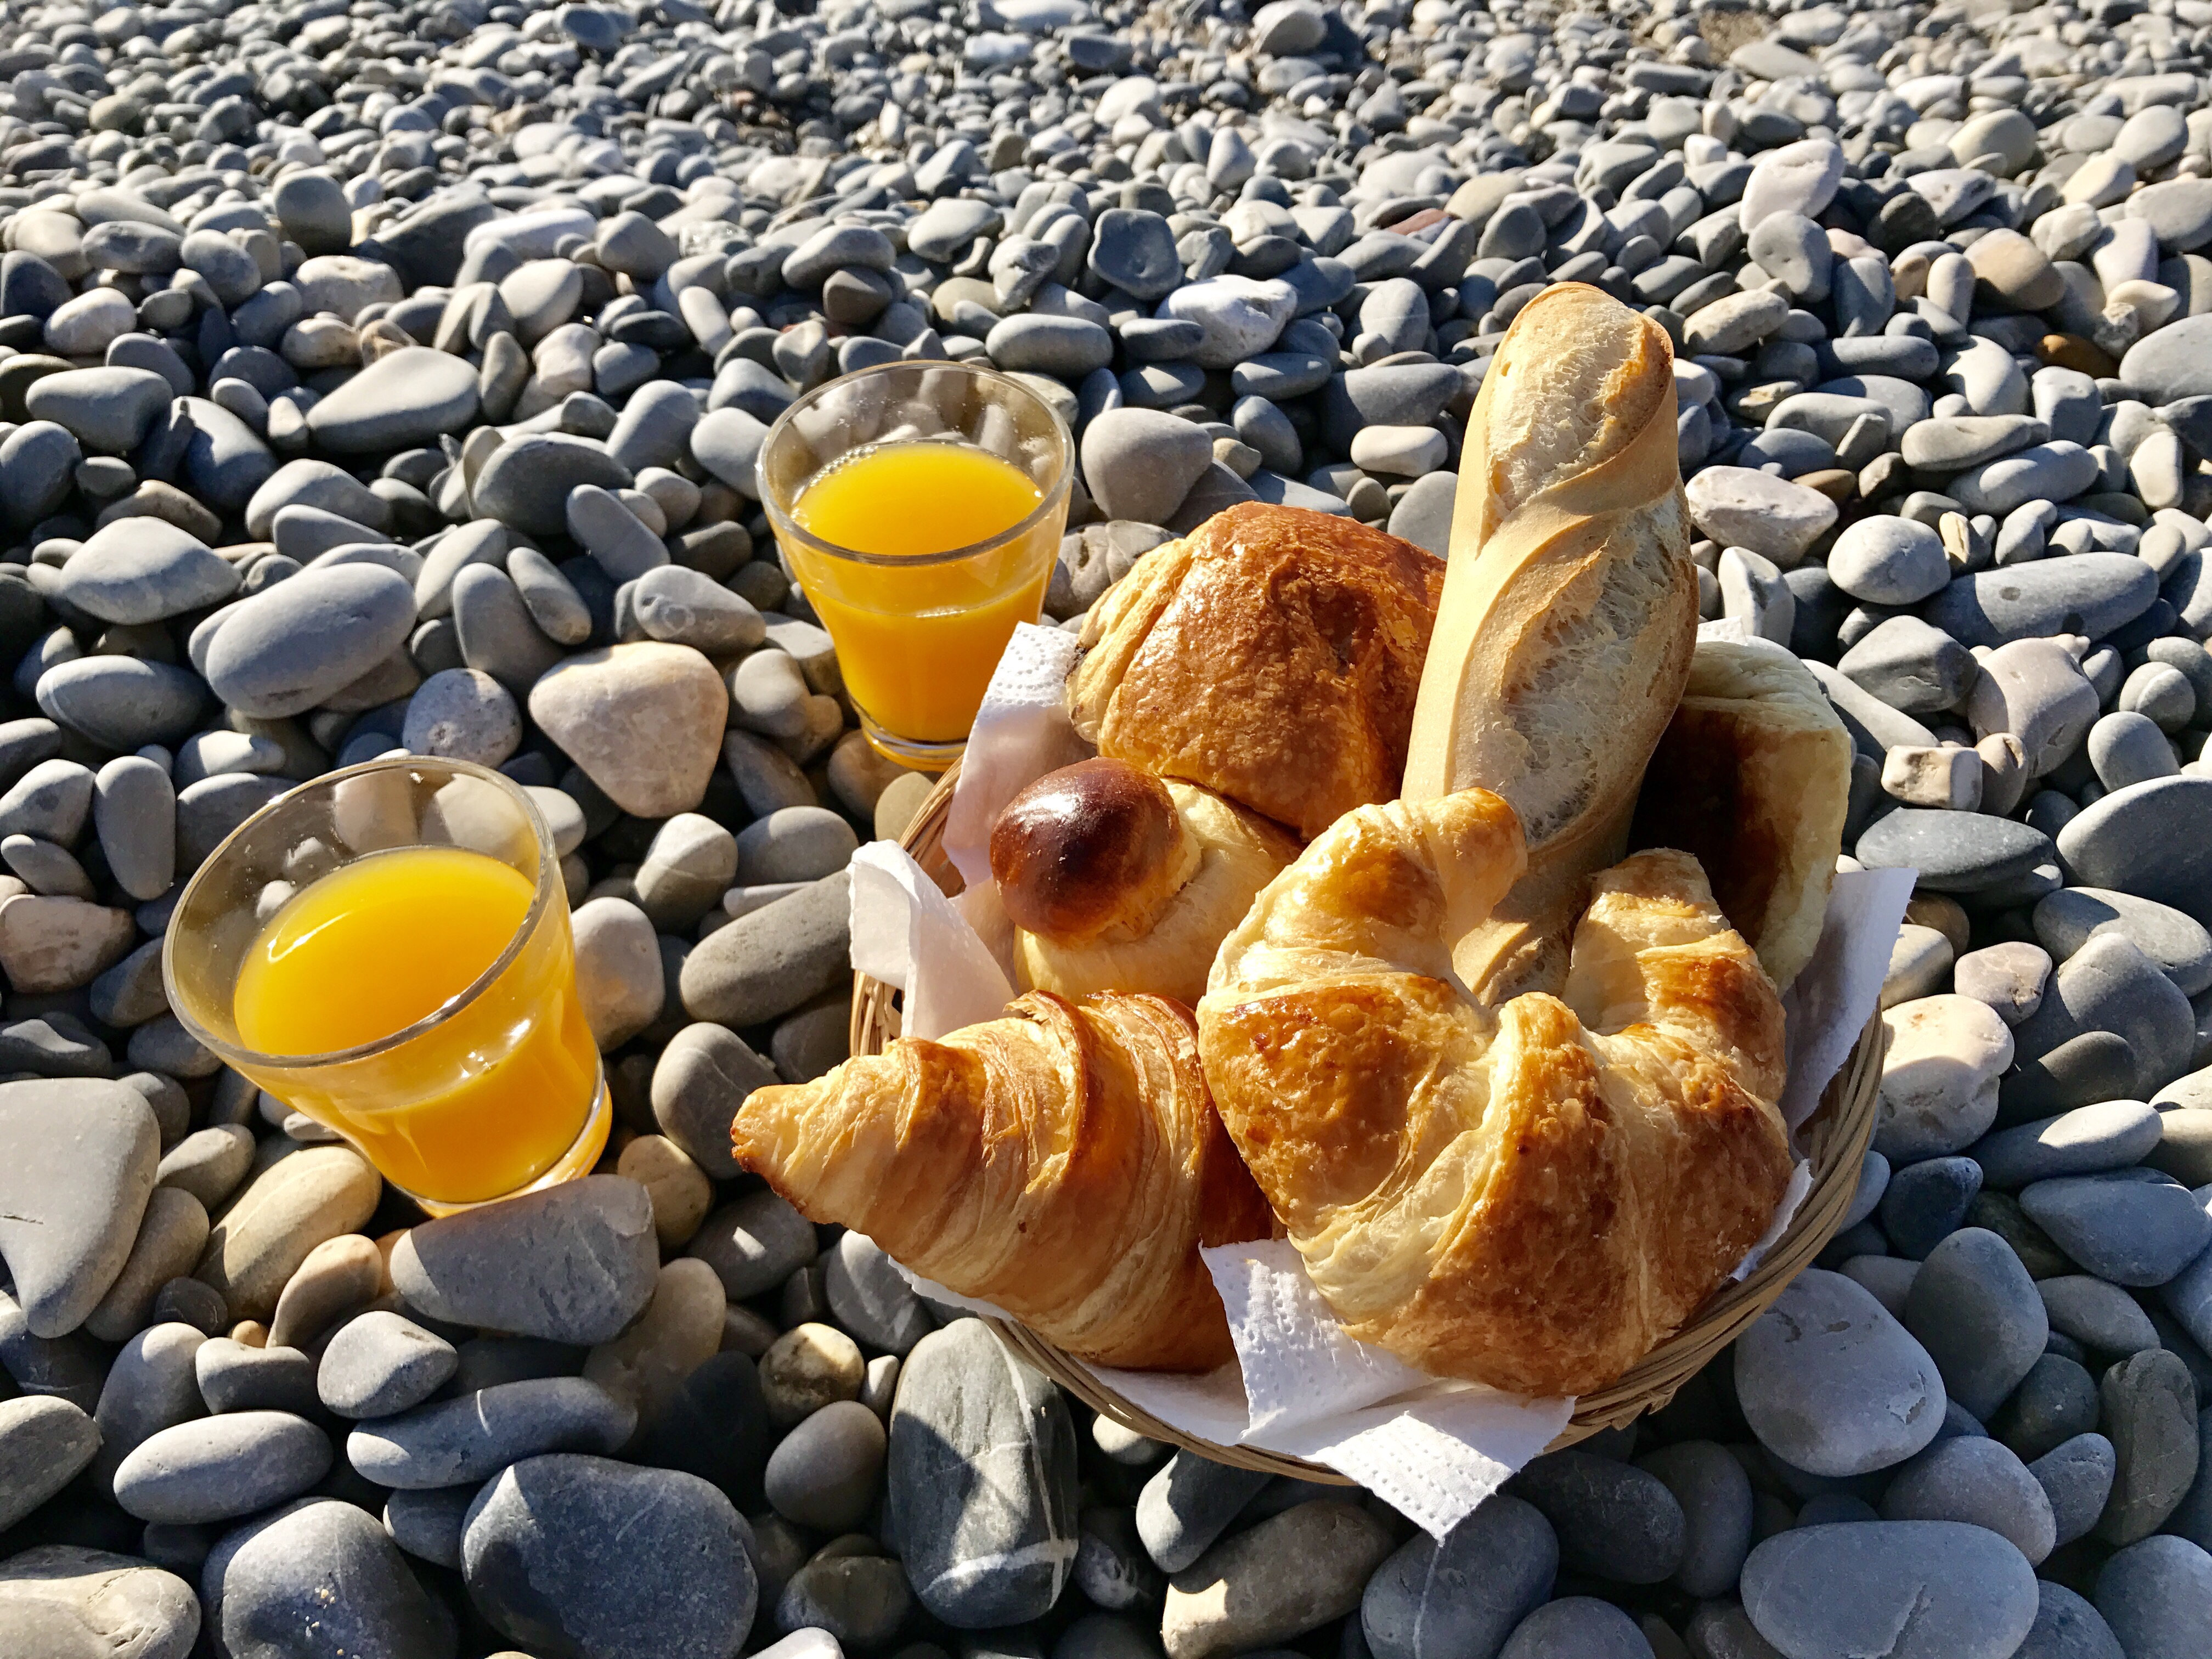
383,376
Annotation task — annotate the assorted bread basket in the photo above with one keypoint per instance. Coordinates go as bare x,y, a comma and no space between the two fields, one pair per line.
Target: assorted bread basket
1342,939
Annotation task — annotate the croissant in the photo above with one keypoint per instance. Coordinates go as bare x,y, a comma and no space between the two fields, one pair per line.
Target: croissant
1569,612
1118,880
1065,1162
1271,655
1752,776
1530,1195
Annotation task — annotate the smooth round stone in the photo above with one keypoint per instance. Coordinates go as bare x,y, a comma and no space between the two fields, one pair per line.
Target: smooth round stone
64,1600
981,1478
138,570
754,1243
1939,1076
1973,1307
2085,1141
2096,1315
699,1081
1139,464
1577,1627
1774,518
452,1442
406,397
1954,852
561,1552
2089,593
70,1204
1188,1504
2148,1411
1464,1594
461,713
1832,1384
380,1363
871,1298
862,1600
290,647
260,1241
573,1263
2077,1477
323,1566
2156,1595
1613,1520
2055,1401
44,1441
1883,560
2137,1227
2147,841
1716,1497
643,721
794,843
2008,976
1916,1590
2068,1627
149,1388
2034,689
808,1367
219,1467
2109,988
1924,1203
1291,1574
2065,921
1974,1479
122,702
234,1377
684,606
525,483
2127,748
824,1474
1913,668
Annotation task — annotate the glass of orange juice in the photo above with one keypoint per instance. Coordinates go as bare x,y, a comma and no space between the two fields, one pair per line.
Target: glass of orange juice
386,949
920,505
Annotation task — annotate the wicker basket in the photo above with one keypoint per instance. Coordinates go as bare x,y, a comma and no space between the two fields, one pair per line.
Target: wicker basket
1835,1139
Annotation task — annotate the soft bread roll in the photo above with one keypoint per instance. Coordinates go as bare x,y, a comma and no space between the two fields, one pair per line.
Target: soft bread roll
1271,655
1569,612
1116,880
1531,1195
1753,777
1065,1162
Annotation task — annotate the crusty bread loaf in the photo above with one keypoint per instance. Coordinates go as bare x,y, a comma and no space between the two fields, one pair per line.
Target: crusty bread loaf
1568,613
1272,655
1116,880
1529,1195
1752,776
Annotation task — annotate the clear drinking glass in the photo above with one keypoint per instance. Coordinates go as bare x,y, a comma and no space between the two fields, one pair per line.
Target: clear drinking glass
495,1091
920,505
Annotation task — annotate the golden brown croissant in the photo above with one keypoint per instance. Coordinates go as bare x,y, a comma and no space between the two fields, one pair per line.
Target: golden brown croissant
1065,1162
1272,654
1116,880
1752,776
1530,1195
1568,613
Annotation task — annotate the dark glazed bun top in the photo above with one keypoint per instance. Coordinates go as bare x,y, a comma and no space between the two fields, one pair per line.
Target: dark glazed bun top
1093,847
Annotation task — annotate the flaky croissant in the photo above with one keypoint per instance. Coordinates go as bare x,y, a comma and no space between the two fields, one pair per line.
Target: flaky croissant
1531,1195
1569,612
1064,1162
1116,880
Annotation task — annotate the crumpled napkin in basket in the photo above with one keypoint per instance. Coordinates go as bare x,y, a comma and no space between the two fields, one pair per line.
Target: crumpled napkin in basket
1432,1449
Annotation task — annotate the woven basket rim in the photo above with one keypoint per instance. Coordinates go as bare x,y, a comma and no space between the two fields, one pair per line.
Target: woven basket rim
1834,1138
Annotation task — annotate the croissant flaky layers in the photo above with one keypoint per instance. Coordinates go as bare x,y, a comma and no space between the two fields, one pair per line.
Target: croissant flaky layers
1531,1195
1064,1162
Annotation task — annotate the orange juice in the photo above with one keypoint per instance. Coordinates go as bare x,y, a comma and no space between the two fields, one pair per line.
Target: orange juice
477,1106
917,643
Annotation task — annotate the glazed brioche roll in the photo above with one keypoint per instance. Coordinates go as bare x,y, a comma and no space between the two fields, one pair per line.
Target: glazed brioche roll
1568,613
1064,1162
1116,880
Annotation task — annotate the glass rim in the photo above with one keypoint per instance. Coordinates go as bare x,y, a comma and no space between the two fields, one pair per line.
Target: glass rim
785,524
541,895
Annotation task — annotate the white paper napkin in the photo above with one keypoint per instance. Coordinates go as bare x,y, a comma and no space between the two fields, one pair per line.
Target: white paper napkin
1432,1449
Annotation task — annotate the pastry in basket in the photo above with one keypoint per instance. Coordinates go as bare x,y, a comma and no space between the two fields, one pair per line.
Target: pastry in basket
1531,1195
1272,655
1116,880
1064,1162
1754,776
1563,638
